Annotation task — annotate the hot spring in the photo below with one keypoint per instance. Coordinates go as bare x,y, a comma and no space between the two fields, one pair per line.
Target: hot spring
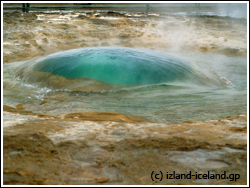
152,85
123,66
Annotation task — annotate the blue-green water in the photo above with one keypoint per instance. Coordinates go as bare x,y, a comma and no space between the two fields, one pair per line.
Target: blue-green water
123,66
210,86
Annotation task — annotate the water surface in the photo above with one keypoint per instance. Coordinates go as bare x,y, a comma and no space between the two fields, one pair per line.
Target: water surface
169,102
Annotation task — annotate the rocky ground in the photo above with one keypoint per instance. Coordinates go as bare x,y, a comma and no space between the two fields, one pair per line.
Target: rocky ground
37,34
111,148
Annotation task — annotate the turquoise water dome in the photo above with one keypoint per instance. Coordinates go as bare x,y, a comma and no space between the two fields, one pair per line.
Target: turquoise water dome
121,66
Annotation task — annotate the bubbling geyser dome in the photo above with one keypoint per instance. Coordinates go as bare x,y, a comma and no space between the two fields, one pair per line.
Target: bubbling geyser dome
123,66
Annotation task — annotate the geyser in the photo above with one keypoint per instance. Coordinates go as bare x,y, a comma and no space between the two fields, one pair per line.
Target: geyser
123,66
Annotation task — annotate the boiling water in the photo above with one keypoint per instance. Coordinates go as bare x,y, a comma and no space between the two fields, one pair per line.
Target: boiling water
154,86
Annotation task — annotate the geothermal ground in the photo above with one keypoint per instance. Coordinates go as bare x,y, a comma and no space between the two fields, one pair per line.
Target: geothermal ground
108,147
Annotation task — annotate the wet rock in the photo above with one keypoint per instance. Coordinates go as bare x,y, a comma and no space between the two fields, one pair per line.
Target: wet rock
122,159
103,116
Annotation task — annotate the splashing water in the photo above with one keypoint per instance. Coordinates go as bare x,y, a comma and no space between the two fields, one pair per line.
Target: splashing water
121,66
154,86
